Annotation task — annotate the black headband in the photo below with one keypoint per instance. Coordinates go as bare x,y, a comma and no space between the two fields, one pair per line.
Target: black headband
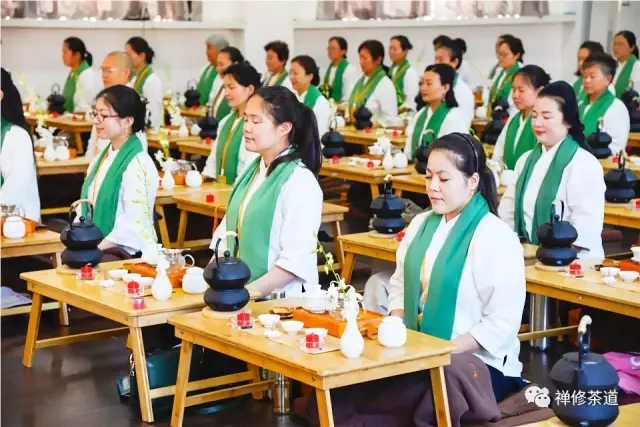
473,148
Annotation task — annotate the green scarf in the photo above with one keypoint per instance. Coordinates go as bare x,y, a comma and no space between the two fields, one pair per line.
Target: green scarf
548,189
398,79
4,128
142,78
577,87
205,84
361,91
504,90
591,118
513,148
622,84
106,203
254,230
312,95
223,109
439,309
227,149
432,130
69,89
336,85
283,75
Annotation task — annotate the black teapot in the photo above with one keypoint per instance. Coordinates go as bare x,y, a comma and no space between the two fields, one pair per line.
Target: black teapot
362,118
620,183
227,277
421,154
208,125
388,209
589,375
333,142
191,95
56,100
499,116
556,238
599,142
81,239
631,100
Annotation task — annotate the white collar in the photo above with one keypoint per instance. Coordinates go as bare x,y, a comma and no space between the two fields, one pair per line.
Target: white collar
263,166
551,151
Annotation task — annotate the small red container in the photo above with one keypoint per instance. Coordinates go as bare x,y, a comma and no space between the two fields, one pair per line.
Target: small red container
367,130
243,319
133,289
369,164
208,140
400,236
312,341
138,303
335,160
86,272
637,203
575,269
615,160
210,198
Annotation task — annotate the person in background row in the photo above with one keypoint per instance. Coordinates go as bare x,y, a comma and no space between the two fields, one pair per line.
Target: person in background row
496,68
210,82
625,50
450,53
227,56
117,69
147,83
510,58
82,83
586,49
305,77
18,174
403,76
340,77
277,55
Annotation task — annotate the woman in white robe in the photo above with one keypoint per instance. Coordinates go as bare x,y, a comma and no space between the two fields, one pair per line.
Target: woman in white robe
18,174
340,69
403,75
147,83
510,58
585,49
625,50
209,74
218,101
276,57
305,77
559,168
276,204
83,83
449,52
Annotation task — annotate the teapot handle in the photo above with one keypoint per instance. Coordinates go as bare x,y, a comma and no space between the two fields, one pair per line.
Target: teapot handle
73,207
553,210
235,251
622,160
191,84
55,88
387,183
584,338
333,124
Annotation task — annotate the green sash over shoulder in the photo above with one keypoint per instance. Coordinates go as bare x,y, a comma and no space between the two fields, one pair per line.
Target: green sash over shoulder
548,189
312,95
398,79
223,109
254,230
336,85
504,90
142,78
283,75
513,148
439,309
622,84
591,118
69,90
577,87
4,128
227,149
205,84
426,135
106,202
361,91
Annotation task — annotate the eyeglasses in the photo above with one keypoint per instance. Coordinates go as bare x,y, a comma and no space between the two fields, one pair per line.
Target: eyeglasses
109,70
99,117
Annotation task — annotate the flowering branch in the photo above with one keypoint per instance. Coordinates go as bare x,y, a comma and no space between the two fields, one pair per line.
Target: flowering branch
338,289
147,236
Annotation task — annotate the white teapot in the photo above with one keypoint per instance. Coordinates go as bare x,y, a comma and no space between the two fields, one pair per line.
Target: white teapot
193,178
195,130
392,332
62,152
168,182
400,160
387,161
183,132
193,281
14,228
49,153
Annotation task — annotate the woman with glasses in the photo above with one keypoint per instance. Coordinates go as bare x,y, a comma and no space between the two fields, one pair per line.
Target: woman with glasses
227,57
147,83
340,76
121,181
82,83
510,57
625,50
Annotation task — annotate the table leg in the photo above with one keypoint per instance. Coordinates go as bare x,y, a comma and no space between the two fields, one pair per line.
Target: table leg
177,416
182,228
164,230
440,398
347,266
63,311
325,411
32,330
335,228
255,373
399,193
142,377
183,155
77,136
375,191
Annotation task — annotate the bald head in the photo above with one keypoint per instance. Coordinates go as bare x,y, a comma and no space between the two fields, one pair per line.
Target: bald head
117,69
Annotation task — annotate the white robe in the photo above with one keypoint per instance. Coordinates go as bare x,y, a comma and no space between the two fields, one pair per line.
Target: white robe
492,288
635,74
96,145
471,75
383,102
18,168
134,220
88,85
322,110
581,189
296,220
453,122
498,150
617,124
349,78
411,87
466,100
244,157
271,79
152,90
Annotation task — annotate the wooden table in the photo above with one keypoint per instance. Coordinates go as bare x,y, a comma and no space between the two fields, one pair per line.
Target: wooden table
322,371
91,297
66,124
79,165
629,415
197,203
361,173
199,148
360,137
478,126
41,242
607,165
154,137
193,113
415,183
634,140
623,215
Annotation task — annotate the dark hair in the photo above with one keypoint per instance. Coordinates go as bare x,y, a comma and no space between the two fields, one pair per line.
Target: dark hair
283,107
455,52
515,46
502,36
310,67
440,40
462,45
126,102
469,158
606,62
76,45
630,38
11,104
446,74
244,74
234,54
562,93
376,49
342,42
592,47
535,76
280,48
405,44
139,46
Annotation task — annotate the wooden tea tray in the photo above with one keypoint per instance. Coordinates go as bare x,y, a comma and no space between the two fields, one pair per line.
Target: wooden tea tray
368,322
147,270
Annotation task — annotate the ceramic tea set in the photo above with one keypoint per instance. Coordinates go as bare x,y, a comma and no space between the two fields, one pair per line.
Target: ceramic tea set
13,226
182,172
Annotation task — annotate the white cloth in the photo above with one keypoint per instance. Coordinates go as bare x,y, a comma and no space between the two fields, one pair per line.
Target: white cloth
453,122
296,219
382,103
635,74
411,87
617,124
498,150
152,90
134,215
349,78
96,145
581,189
322,110
88,85
471,75
217,82
466,100
18,168
271,80
492,288
244,157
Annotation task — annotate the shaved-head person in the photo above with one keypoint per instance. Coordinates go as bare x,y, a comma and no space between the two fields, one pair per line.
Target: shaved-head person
117,69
